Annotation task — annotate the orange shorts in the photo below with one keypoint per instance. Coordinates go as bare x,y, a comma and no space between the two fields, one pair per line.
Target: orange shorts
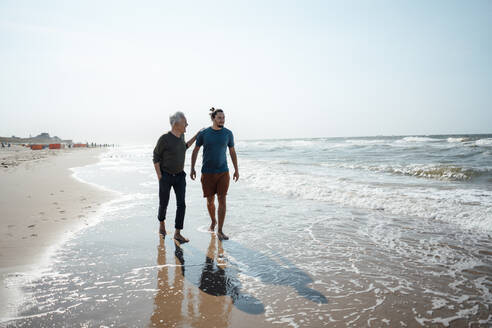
215,183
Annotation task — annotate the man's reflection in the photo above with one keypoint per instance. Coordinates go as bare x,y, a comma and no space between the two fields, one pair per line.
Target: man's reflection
219,287
169,298
212,295
213,279
216,279
178,303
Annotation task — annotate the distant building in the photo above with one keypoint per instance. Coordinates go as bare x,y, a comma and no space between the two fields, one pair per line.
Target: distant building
43,138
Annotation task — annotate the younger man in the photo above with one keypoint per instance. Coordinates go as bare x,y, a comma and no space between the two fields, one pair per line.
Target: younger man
215,172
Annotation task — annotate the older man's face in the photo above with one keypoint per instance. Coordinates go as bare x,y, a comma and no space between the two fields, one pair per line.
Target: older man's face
182,124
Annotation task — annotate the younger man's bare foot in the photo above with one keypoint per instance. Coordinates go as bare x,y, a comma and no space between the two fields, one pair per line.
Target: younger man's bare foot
222,236
180,238
212,226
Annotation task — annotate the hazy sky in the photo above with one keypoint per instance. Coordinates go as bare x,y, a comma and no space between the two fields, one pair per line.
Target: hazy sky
113,71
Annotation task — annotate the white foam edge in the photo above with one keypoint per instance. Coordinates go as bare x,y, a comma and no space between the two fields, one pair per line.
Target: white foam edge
95,185
16,280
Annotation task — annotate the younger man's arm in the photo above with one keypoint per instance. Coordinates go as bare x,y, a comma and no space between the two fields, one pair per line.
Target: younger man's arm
194,155
232,152
192,140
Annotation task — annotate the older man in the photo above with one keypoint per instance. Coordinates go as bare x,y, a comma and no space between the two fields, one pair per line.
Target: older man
169,158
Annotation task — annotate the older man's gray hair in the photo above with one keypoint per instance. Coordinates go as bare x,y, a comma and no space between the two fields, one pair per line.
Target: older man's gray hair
176,117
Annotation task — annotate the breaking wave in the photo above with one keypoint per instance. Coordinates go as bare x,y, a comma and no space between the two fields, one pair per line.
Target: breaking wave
439,172
484,142
467,207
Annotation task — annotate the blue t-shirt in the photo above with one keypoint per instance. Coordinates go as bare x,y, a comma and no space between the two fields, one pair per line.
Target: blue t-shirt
215,143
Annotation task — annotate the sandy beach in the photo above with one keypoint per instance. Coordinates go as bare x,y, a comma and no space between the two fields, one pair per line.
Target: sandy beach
40,204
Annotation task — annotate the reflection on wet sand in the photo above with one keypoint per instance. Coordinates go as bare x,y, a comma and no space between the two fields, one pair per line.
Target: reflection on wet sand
213,280
170,295
202,289
179,303
216,278
215,306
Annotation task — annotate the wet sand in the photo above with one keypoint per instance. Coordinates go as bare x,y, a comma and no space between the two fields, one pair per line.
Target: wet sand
210,294
41,203
209,303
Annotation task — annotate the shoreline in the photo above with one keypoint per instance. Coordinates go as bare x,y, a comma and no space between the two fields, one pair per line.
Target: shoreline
42,205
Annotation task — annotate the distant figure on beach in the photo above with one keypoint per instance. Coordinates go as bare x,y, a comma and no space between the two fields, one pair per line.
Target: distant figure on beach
169,158
215,173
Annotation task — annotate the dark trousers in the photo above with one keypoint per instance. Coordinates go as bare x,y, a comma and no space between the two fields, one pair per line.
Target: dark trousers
178,182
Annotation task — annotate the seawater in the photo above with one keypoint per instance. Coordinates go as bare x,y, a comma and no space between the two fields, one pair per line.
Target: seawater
447,178
376,231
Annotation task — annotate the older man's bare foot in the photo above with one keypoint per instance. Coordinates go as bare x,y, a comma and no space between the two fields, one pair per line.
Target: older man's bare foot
212,226
180,238
222,236
162,229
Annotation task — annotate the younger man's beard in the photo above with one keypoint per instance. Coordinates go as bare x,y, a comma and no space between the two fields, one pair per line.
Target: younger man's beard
220,126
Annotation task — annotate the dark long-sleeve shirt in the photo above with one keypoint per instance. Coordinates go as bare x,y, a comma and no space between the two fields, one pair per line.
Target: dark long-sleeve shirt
170,153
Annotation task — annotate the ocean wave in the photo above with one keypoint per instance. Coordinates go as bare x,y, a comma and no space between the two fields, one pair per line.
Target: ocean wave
487,142
453,140
277,145
363,142
470,208
418,139
409,143
439,172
